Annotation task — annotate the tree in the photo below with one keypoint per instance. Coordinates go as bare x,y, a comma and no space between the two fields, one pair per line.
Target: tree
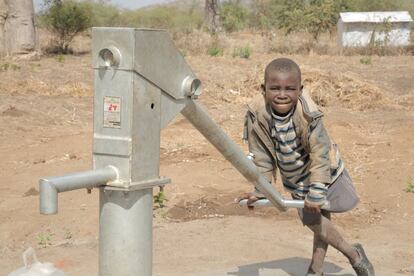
17,29
322,16
66,19
233,17
211,15
262,15
3,15
290,15
313,16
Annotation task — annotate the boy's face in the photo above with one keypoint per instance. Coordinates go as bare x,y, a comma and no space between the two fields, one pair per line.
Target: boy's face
282,90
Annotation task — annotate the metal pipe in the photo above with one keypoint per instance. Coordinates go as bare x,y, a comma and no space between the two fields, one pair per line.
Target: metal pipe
289,203
125,232
51,186
213,133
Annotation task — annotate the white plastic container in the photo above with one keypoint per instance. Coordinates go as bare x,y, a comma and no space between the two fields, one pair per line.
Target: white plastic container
32,267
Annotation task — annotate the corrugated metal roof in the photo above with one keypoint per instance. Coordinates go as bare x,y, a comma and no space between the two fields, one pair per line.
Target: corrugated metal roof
376,17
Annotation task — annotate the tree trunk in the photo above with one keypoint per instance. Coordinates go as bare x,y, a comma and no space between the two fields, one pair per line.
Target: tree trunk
211,15
17,29
3,15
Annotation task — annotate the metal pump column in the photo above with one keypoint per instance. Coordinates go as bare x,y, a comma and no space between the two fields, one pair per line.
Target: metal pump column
127,125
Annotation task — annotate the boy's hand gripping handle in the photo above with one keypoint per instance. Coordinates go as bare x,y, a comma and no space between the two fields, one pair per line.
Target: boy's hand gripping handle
290,203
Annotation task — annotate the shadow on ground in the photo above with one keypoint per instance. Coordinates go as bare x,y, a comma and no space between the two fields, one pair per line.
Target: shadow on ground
292,266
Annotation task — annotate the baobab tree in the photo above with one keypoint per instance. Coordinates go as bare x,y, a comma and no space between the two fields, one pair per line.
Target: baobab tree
17,29
211,15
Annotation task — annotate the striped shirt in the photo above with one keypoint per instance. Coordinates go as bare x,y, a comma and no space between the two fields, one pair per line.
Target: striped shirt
292,159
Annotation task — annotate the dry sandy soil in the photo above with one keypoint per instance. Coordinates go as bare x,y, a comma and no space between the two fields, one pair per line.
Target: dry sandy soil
46,129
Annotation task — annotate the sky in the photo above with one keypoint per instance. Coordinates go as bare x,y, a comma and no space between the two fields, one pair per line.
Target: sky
127,4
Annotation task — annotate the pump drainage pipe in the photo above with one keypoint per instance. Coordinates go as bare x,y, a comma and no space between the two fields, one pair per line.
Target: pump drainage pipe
51,186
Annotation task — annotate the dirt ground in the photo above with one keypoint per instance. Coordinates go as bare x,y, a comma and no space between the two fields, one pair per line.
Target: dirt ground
46,125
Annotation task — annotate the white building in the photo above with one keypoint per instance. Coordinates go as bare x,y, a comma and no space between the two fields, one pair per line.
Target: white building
359,29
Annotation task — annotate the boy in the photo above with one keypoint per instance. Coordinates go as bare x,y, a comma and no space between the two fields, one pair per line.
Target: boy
285,132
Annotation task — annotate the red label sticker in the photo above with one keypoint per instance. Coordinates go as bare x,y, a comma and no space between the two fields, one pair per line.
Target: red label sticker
112,112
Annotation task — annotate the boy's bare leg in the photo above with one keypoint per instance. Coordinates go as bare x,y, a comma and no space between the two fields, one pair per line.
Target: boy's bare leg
318,256
327,233
319,252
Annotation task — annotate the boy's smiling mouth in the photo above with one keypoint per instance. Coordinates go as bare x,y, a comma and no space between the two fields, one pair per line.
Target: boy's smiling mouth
282,102
282,105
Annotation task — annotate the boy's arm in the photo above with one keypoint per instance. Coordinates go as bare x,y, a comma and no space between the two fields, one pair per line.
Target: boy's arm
260,155
320,178
319,145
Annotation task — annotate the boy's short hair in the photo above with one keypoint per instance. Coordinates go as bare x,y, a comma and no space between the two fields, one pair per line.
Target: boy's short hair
285,65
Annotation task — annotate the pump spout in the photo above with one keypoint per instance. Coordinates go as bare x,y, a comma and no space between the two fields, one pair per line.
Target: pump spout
51,186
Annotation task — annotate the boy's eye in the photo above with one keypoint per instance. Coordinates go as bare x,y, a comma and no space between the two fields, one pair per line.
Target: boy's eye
278,88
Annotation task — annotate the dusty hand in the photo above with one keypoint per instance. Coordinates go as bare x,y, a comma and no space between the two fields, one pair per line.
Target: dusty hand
251,198
312,208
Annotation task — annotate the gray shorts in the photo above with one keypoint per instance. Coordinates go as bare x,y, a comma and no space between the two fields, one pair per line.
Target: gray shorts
342,197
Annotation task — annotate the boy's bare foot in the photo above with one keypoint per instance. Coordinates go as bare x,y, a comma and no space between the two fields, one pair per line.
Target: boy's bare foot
363,267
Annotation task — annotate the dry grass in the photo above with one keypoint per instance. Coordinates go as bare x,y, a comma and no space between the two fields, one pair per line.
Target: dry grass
197,43
194,43
344,90
35,86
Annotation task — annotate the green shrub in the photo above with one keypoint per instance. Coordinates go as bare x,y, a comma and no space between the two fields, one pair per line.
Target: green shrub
60,58
410,186
44,239
233,17
365,60
159,199
65,19
214,51
9,66
243,52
